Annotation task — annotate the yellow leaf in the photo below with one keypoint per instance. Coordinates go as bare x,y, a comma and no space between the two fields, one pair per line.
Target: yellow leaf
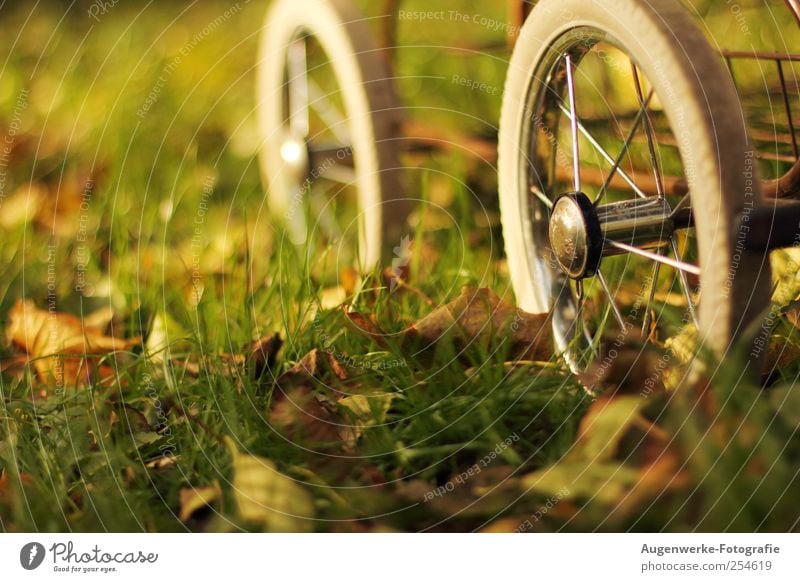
603,426
606,484
365,410
193,499
267,497
58,343
22,206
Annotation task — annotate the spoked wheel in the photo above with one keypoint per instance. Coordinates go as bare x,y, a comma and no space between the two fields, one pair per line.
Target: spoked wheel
327,119
610,109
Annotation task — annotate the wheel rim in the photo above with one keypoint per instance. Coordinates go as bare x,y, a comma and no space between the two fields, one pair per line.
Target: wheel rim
604,200
317,155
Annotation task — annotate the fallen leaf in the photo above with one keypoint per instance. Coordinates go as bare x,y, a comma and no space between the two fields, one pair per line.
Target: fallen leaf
58,344
592,468
478,315
349,279
225,364
603,426
316,365
193,499
302,416
786,275
605,483
8,488
131,421
268,498
332,297
14,365
364,410
263,353
627,364
163,462
366,327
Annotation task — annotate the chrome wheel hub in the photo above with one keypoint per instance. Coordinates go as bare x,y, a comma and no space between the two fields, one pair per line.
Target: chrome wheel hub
575,235
294,153
581,234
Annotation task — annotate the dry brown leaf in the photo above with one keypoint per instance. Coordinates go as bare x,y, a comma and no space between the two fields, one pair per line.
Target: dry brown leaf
475,316
780,353
316,365
59,343
163,462
14,365
193,499
7,487
396,280
367,327
302,416
264,353
479,315
349,279
365,410
225,364
627,365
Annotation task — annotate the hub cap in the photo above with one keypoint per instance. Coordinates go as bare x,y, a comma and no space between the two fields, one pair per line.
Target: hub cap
575,235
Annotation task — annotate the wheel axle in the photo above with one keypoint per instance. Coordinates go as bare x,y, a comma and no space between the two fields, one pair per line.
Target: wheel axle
580,232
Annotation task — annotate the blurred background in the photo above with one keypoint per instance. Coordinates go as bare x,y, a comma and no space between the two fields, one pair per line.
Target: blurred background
149,101
129,182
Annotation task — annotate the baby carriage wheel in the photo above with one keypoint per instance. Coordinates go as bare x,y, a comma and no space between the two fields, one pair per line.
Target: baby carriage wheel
632,222
326,117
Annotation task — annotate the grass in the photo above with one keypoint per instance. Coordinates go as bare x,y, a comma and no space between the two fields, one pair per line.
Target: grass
153,105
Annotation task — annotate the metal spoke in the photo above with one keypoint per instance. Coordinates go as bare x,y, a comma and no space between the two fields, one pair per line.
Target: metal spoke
651,297
628,140
576,153
614,308
681,205
542,197
320,151
330,115
339,173
674,263
297,70
648,128
580,292
788,106
606,156
685,283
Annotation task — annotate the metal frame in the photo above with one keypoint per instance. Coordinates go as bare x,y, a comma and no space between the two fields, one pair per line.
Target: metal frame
788,185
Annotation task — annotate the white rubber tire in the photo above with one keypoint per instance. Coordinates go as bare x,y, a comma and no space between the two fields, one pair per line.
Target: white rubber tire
372,116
